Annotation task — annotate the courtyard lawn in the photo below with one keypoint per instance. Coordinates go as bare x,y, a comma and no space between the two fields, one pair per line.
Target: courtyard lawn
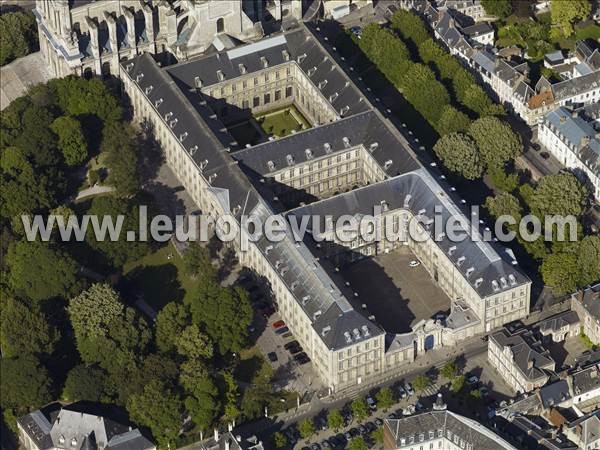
282,122
245,133
158,278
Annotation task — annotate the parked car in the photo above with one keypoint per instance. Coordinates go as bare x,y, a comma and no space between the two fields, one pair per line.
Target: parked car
419,406
278,324
295,350
286,335
282,330
291,344
472,380
545,155
414,263
371,403
409,410
392,416
315,446
268,312
409,389
301,358
272,356
362,430
348,435
484,391
356,31
354,432
379,422
401,392
321,422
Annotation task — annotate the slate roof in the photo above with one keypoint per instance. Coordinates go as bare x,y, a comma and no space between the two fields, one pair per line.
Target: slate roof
489,273
297,43
555,393
557,322
586,380
529,357
588,427
591,301
419,427
578,134
362,129
575,86
81,431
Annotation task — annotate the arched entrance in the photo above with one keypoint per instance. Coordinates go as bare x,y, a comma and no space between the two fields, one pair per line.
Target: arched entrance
220,25
429,342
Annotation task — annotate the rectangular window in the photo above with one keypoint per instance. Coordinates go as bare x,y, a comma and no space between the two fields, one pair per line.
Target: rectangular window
267,99
288,91
256,102
277,95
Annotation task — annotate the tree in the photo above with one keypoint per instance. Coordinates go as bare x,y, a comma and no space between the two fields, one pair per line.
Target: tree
306,428
120,251
505,204
335,420
202,400
496,140
25,384
377,435
107,332
121,157
449,370
55,271
558,194
588,260
84,383
71,140
259,394
459,154
421,88
25,187
24,329
560,271
279,439
565,13
196,260
475,395
159,408
358,443
19,35
360,409
232,411
452,121
457,384
223,312
421,382
193,344
385,399
410,27
502,180
170,322
498,8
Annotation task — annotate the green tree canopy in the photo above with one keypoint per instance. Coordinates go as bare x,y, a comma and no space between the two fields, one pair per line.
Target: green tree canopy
457,384
71,140
159,408
504,204
202,400
40,271
19,35
279,439
498,8
559,194
335,420
459,154
360,409
452,121
565,13
84,383
25,384
588,260
107,332
119,251
121,157
377,435
384,398
410,27
496,140
170,322
24,329
560,272
421,382
306,428
449,370
193,344
357,443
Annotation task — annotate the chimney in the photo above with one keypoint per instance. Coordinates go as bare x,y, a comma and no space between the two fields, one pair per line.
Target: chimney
585,140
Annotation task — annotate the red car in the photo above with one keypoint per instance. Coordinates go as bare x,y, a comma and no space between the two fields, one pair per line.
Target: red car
279,324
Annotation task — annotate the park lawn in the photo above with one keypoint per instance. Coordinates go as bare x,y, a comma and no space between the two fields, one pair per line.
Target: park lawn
160,279
283,122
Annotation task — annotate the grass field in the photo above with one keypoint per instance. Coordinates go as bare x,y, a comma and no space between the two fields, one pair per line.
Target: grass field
282,122
159,278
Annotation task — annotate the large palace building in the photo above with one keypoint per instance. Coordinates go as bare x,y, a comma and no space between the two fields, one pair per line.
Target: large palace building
344,159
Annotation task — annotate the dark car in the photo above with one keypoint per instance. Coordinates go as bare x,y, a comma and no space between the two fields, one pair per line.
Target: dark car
291,344
347,435
315,446
282,330
378,422
354,432
267,312
272,356
301,358
370,426
362,429
295,350
545,155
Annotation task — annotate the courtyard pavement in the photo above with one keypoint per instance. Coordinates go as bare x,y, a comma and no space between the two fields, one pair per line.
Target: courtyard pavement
397,295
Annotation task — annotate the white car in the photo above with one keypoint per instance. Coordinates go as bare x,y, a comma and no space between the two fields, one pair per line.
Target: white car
414,263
